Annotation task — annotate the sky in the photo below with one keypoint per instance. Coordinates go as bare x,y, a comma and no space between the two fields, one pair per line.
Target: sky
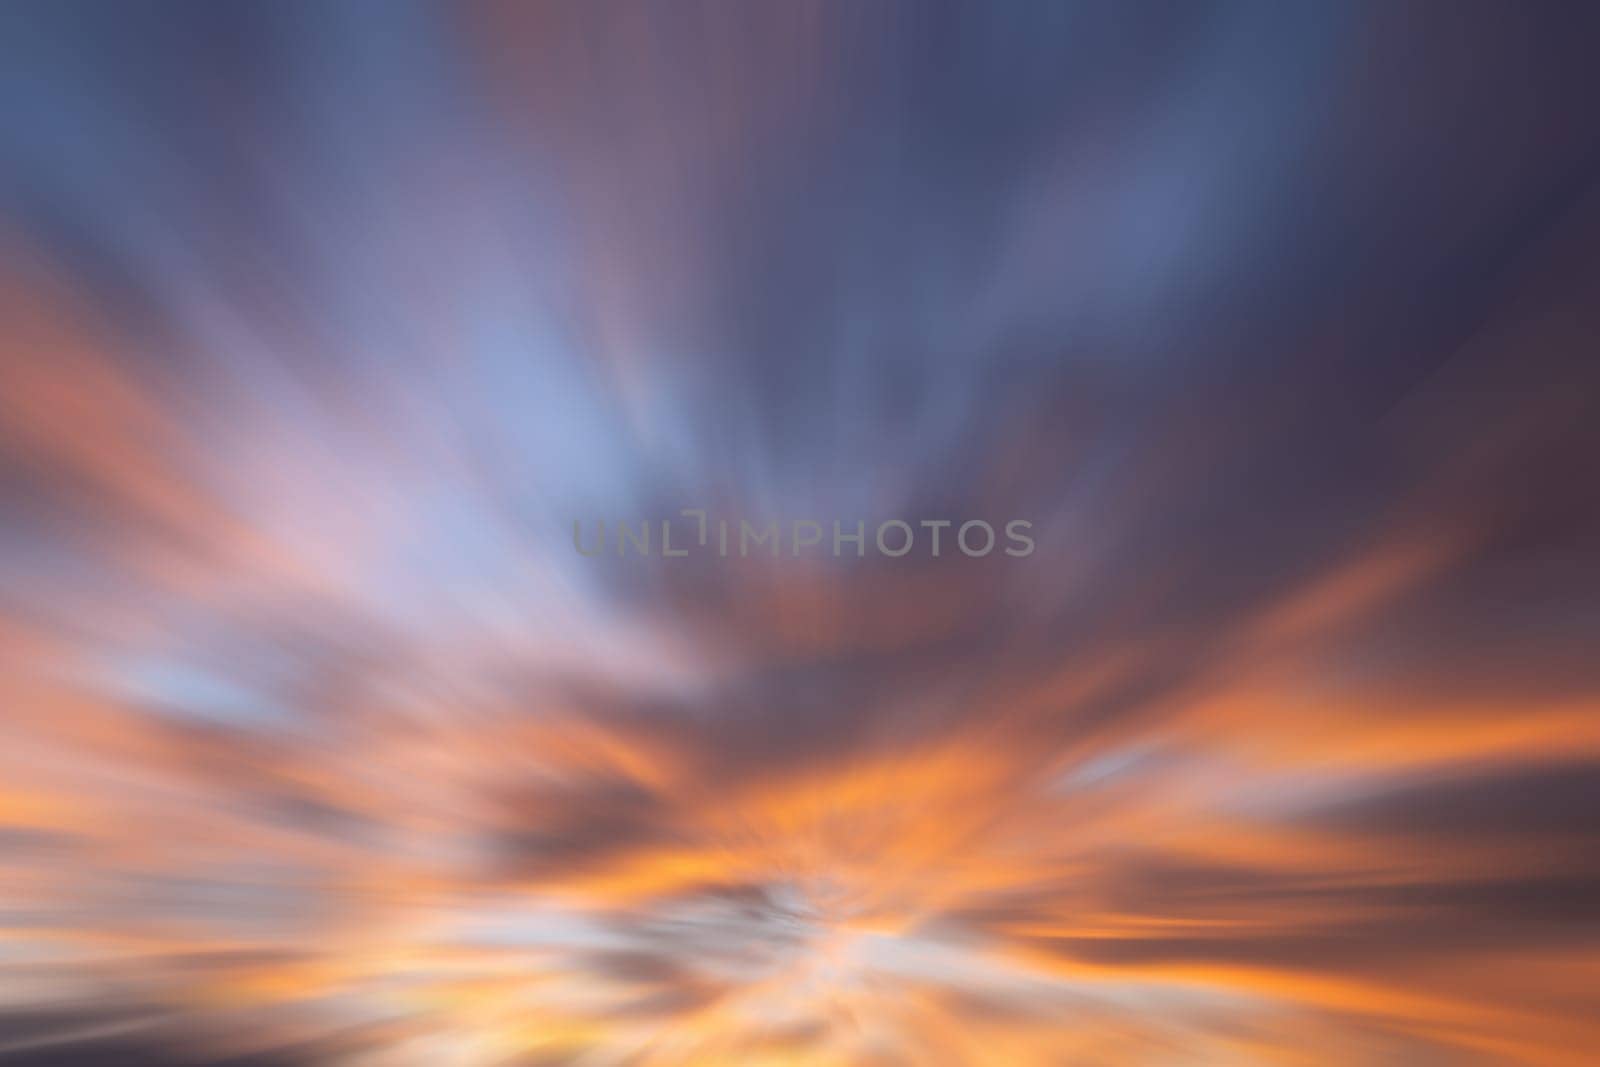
323,745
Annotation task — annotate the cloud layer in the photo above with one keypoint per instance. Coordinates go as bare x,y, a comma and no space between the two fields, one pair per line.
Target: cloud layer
320,744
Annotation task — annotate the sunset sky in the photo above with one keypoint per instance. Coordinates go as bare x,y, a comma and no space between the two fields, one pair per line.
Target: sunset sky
321,323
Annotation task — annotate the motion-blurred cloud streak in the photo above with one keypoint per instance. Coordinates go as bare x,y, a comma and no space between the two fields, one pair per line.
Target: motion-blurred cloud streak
321,744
